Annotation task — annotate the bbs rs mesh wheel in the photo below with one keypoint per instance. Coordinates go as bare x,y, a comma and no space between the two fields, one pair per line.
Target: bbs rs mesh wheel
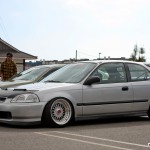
58,113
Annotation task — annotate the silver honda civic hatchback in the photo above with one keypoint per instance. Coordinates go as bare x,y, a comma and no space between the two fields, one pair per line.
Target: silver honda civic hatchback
80,90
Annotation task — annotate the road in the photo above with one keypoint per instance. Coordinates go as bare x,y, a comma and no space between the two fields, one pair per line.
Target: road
128,133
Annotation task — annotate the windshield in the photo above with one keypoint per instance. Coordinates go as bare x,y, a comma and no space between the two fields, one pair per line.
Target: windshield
30,74
72,73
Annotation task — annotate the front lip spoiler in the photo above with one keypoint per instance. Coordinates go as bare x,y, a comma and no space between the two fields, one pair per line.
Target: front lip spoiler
18,123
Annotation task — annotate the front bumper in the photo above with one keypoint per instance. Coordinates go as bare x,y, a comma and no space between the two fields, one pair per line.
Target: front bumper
21,113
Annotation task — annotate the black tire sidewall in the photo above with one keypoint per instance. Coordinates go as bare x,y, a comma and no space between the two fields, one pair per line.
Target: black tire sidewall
46,117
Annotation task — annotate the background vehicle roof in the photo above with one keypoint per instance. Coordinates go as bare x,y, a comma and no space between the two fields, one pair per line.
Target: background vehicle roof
52,65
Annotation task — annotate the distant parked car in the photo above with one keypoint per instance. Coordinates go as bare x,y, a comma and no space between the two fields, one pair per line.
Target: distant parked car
80,90
31,75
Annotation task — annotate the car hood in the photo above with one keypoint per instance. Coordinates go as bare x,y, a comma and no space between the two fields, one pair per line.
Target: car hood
12,83
40,86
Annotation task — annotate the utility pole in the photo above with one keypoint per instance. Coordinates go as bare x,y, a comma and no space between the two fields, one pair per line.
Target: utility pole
76,55
99,55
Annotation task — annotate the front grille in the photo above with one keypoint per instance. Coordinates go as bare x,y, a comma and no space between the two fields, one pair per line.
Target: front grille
2,99
5,115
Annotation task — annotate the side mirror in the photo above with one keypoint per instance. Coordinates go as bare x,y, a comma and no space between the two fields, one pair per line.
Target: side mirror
91,80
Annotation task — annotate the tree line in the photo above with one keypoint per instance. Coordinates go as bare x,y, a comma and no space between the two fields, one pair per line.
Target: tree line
138,54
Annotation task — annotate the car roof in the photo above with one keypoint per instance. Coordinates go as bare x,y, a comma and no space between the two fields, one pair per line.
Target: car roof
106,61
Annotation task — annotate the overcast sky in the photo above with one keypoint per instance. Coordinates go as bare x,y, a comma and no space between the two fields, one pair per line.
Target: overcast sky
55,29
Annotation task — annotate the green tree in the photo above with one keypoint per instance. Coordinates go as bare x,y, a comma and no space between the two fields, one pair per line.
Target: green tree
138,54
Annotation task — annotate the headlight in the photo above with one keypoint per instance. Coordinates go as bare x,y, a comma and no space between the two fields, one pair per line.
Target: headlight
25,98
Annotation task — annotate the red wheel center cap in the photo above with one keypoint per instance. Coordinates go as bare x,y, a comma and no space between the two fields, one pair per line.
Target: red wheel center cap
58,111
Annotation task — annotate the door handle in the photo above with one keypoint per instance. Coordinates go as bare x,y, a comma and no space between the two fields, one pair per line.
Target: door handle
125,88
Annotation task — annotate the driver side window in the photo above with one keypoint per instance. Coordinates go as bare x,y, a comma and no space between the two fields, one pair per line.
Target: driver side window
110,73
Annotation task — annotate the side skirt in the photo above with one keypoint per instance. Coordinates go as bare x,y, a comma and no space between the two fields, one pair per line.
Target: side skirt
112,115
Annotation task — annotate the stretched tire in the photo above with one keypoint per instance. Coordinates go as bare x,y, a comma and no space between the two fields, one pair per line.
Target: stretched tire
58,113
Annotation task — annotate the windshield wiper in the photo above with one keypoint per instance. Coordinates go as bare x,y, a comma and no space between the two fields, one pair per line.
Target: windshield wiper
52,81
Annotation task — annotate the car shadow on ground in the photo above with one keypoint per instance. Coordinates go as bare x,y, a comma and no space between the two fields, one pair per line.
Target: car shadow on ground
103,122
114,121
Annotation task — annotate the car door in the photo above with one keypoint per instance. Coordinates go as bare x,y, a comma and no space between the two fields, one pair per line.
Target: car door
112,94
140,80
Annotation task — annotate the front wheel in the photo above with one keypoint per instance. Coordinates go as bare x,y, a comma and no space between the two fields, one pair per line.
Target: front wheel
58,113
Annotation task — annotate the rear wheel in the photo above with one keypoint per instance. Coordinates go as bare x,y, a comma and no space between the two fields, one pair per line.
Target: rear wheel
58,113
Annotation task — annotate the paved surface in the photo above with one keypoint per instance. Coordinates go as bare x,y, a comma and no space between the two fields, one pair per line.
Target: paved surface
132,133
